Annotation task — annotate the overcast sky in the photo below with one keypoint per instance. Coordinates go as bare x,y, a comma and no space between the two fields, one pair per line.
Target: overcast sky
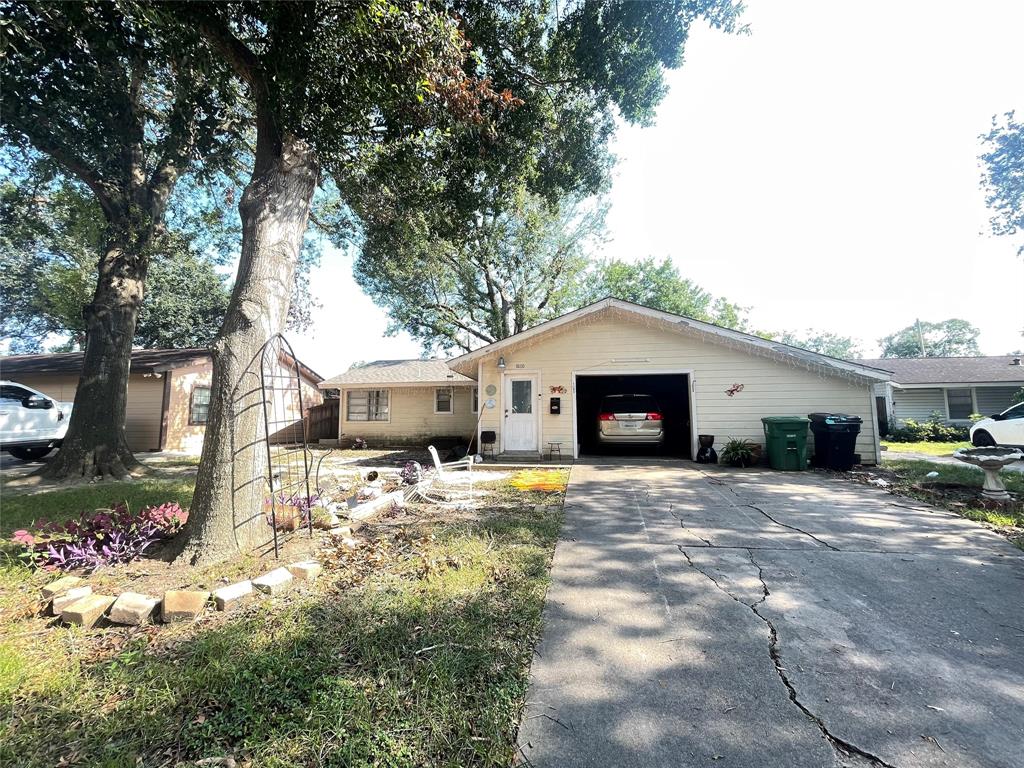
822,171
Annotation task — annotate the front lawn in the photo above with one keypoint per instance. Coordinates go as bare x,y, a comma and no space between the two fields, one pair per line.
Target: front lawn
18,510
932,449
411,650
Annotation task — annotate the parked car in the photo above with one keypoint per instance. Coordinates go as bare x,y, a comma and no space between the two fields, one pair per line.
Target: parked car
1006,428
31,423
630,420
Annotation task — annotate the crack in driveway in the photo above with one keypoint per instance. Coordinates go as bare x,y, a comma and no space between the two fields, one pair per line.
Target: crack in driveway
841,745
792,527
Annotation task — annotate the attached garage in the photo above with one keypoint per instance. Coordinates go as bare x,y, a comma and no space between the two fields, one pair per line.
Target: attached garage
668,393
542,388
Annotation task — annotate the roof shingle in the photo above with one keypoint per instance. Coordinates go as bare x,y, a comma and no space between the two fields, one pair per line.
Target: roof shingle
398,373
950,370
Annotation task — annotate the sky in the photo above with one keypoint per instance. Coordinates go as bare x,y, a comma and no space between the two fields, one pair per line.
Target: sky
822,170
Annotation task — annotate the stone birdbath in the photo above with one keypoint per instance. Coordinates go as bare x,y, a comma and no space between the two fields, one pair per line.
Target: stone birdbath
991,460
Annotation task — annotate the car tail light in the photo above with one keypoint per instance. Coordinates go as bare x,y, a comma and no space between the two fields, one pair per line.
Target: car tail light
654,417
607,417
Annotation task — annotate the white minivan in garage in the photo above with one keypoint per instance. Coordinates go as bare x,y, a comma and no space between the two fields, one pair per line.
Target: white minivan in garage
31,423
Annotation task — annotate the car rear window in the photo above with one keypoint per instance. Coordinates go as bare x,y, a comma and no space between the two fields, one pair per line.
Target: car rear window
628,404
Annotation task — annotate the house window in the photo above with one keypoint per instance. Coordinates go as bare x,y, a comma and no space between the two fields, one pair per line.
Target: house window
367,405
476,399
961,403
443,400
199,408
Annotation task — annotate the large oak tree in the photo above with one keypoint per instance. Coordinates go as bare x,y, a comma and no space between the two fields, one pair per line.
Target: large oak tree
126,111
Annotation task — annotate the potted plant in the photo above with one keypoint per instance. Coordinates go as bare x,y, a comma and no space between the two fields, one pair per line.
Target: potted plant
738,453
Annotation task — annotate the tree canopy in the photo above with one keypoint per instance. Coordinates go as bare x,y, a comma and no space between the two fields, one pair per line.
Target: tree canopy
824,343
660,285
948,338
1003,175
518,265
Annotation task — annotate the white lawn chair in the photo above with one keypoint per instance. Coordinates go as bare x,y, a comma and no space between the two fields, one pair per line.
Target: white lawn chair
466,463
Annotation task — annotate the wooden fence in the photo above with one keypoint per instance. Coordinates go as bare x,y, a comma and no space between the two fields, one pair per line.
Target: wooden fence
322,420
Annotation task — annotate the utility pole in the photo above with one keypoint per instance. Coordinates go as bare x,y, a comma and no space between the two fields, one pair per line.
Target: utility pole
920,337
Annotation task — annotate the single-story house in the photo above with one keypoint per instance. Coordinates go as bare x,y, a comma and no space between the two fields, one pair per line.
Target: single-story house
545,385
168,392
953,387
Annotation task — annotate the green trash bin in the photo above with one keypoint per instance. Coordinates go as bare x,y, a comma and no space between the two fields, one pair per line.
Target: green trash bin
786,440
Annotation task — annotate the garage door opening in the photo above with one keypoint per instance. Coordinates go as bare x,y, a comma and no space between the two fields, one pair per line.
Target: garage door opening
671,392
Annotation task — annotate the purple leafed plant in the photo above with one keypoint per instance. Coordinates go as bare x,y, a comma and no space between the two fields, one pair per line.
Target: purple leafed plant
103,537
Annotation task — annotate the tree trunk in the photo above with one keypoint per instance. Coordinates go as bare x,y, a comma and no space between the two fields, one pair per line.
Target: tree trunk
95,444
227,512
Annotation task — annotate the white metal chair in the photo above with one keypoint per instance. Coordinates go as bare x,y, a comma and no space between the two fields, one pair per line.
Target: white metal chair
440,466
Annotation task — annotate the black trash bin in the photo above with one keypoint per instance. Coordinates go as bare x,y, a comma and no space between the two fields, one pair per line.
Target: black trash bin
835,440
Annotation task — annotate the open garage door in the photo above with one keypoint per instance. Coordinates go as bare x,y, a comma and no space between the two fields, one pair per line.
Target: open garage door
671,392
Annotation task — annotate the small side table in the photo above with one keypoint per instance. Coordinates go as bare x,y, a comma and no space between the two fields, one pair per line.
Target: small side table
554,448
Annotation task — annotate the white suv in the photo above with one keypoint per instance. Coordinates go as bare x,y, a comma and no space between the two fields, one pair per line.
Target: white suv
1006,428
31,423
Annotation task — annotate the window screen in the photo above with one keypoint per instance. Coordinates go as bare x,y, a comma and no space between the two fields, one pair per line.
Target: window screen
367,405
443,400
199,411
961,405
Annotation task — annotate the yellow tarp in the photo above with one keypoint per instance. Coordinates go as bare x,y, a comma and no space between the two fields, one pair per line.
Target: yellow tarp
539,480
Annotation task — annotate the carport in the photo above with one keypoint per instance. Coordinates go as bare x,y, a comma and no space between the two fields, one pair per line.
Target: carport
671,388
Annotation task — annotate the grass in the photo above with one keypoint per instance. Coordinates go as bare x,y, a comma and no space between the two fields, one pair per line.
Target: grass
911,473
422,662
932,449
18,510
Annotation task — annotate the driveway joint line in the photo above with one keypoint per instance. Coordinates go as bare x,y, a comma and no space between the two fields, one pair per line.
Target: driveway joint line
837,743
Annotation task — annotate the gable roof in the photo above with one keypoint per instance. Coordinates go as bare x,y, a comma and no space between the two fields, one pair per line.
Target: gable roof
688,325
951,370
143,361
398,373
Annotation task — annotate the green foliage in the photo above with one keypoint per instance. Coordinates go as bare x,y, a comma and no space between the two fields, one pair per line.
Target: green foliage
51,234
824,343
659,285
568,70
1017,397
519,265
948,338
1003,175
738,453
933,430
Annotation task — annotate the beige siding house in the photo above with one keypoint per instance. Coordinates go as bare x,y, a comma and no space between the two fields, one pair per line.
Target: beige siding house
952,387
168,393
543,386
404,402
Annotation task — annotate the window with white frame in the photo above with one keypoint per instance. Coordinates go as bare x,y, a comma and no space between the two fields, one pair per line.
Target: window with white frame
961,403
443,400
366,405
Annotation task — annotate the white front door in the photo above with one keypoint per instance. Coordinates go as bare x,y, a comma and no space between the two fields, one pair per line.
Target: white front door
520,415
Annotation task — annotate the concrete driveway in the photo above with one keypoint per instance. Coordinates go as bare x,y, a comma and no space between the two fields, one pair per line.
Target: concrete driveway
749,618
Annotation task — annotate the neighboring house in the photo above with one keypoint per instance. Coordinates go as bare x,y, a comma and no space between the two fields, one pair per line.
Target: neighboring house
405,402
168,392
545,384
953,387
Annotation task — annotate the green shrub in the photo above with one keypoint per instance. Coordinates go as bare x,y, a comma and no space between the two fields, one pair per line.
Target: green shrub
931,431
1018,397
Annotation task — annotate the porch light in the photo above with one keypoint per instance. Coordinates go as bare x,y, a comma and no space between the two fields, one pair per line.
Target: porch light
501,363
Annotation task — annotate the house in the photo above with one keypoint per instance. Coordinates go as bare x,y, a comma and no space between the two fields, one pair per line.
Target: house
544,385
405,402
168,392
953,387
